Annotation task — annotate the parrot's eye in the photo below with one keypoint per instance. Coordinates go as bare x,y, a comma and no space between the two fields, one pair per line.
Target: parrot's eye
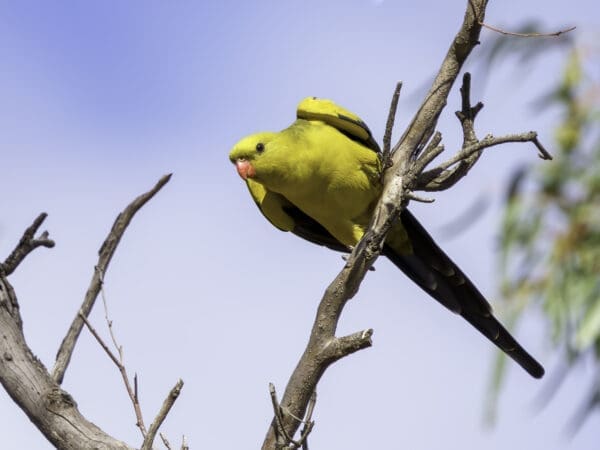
260,147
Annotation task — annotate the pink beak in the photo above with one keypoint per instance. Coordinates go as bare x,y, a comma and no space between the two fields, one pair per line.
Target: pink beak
244,168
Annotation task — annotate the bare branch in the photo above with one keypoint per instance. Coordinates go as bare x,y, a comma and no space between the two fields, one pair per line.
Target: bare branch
119,363
338,348
25,378
417,198
167,444
105,255
26,245
441,178
109,322
165,441
100,341
51,409
432,151
133,393
389,126
309,423
161,416
468,113
283,439
526,35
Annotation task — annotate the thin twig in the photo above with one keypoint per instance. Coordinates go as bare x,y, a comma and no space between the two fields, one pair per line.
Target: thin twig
133,394
432,151
288,442
468,113
543,153
466,116
26,245
110,354
162,414
106,252
441,178
136,406
109,322
389,127
309,423
282,433
492,141
526,35
165,441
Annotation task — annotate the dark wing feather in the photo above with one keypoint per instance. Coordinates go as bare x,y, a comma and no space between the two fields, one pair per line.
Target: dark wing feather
430,268
311,230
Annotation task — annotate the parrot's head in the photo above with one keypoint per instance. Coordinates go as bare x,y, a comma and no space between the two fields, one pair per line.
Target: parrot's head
251,155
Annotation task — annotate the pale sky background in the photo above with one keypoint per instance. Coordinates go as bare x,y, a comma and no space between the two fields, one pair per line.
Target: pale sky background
99,99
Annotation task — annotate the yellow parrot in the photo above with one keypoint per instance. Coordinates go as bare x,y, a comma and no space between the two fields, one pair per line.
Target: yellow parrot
320,178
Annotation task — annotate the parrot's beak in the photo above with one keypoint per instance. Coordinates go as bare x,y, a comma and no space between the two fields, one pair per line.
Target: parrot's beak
244,168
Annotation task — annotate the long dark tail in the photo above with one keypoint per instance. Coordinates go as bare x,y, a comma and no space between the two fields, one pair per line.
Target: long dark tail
436,274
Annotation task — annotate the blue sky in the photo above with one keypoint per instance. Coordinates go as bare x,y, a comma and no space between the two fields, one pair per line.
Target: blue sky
99,99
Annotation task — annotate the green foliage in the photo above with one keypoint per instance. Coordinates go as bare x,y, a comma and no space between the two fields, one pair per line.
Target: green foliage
550,234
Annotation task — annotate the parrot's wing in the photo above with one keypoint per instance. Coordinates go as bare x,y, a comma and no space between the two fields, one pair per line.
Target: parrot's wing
313,108
287,217
311,230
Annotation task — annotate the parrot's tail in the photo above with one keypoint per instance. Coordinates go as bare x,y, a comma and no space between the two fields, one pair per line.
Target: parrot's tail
436,274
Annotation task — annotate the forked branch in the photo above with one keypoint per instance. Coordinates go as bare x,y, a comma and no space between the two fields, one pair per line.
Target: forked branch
105,255
53,410
26,245
448,173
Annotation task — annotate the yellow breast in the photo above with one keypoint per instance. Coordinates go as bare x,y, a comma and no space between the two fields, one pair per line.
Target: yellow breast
332,178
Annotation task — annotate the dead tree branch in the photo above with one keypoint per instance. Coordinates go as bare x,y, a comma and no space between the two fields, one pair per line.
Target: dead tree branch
389,127
526,35
448,173
284,440
162,415
119,363
26,245
105,255
418,147
51,409
38,393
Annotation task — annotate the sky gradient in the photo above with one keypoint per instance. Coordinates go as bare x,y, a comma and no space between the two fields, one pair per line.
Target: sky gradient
99,99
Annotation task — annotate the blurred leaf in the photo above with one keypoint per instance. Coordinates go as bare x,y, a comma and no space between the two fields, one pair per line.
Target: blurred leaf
572,74
466,219
550,233
516,182
589,330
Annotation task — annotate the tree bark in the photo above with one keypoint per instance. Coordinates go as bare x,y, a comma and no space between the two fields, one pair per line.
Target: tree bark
52,410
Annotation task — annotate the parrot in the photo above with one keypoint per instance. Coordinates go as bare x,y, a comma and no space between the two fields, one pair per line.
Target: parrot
321,178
